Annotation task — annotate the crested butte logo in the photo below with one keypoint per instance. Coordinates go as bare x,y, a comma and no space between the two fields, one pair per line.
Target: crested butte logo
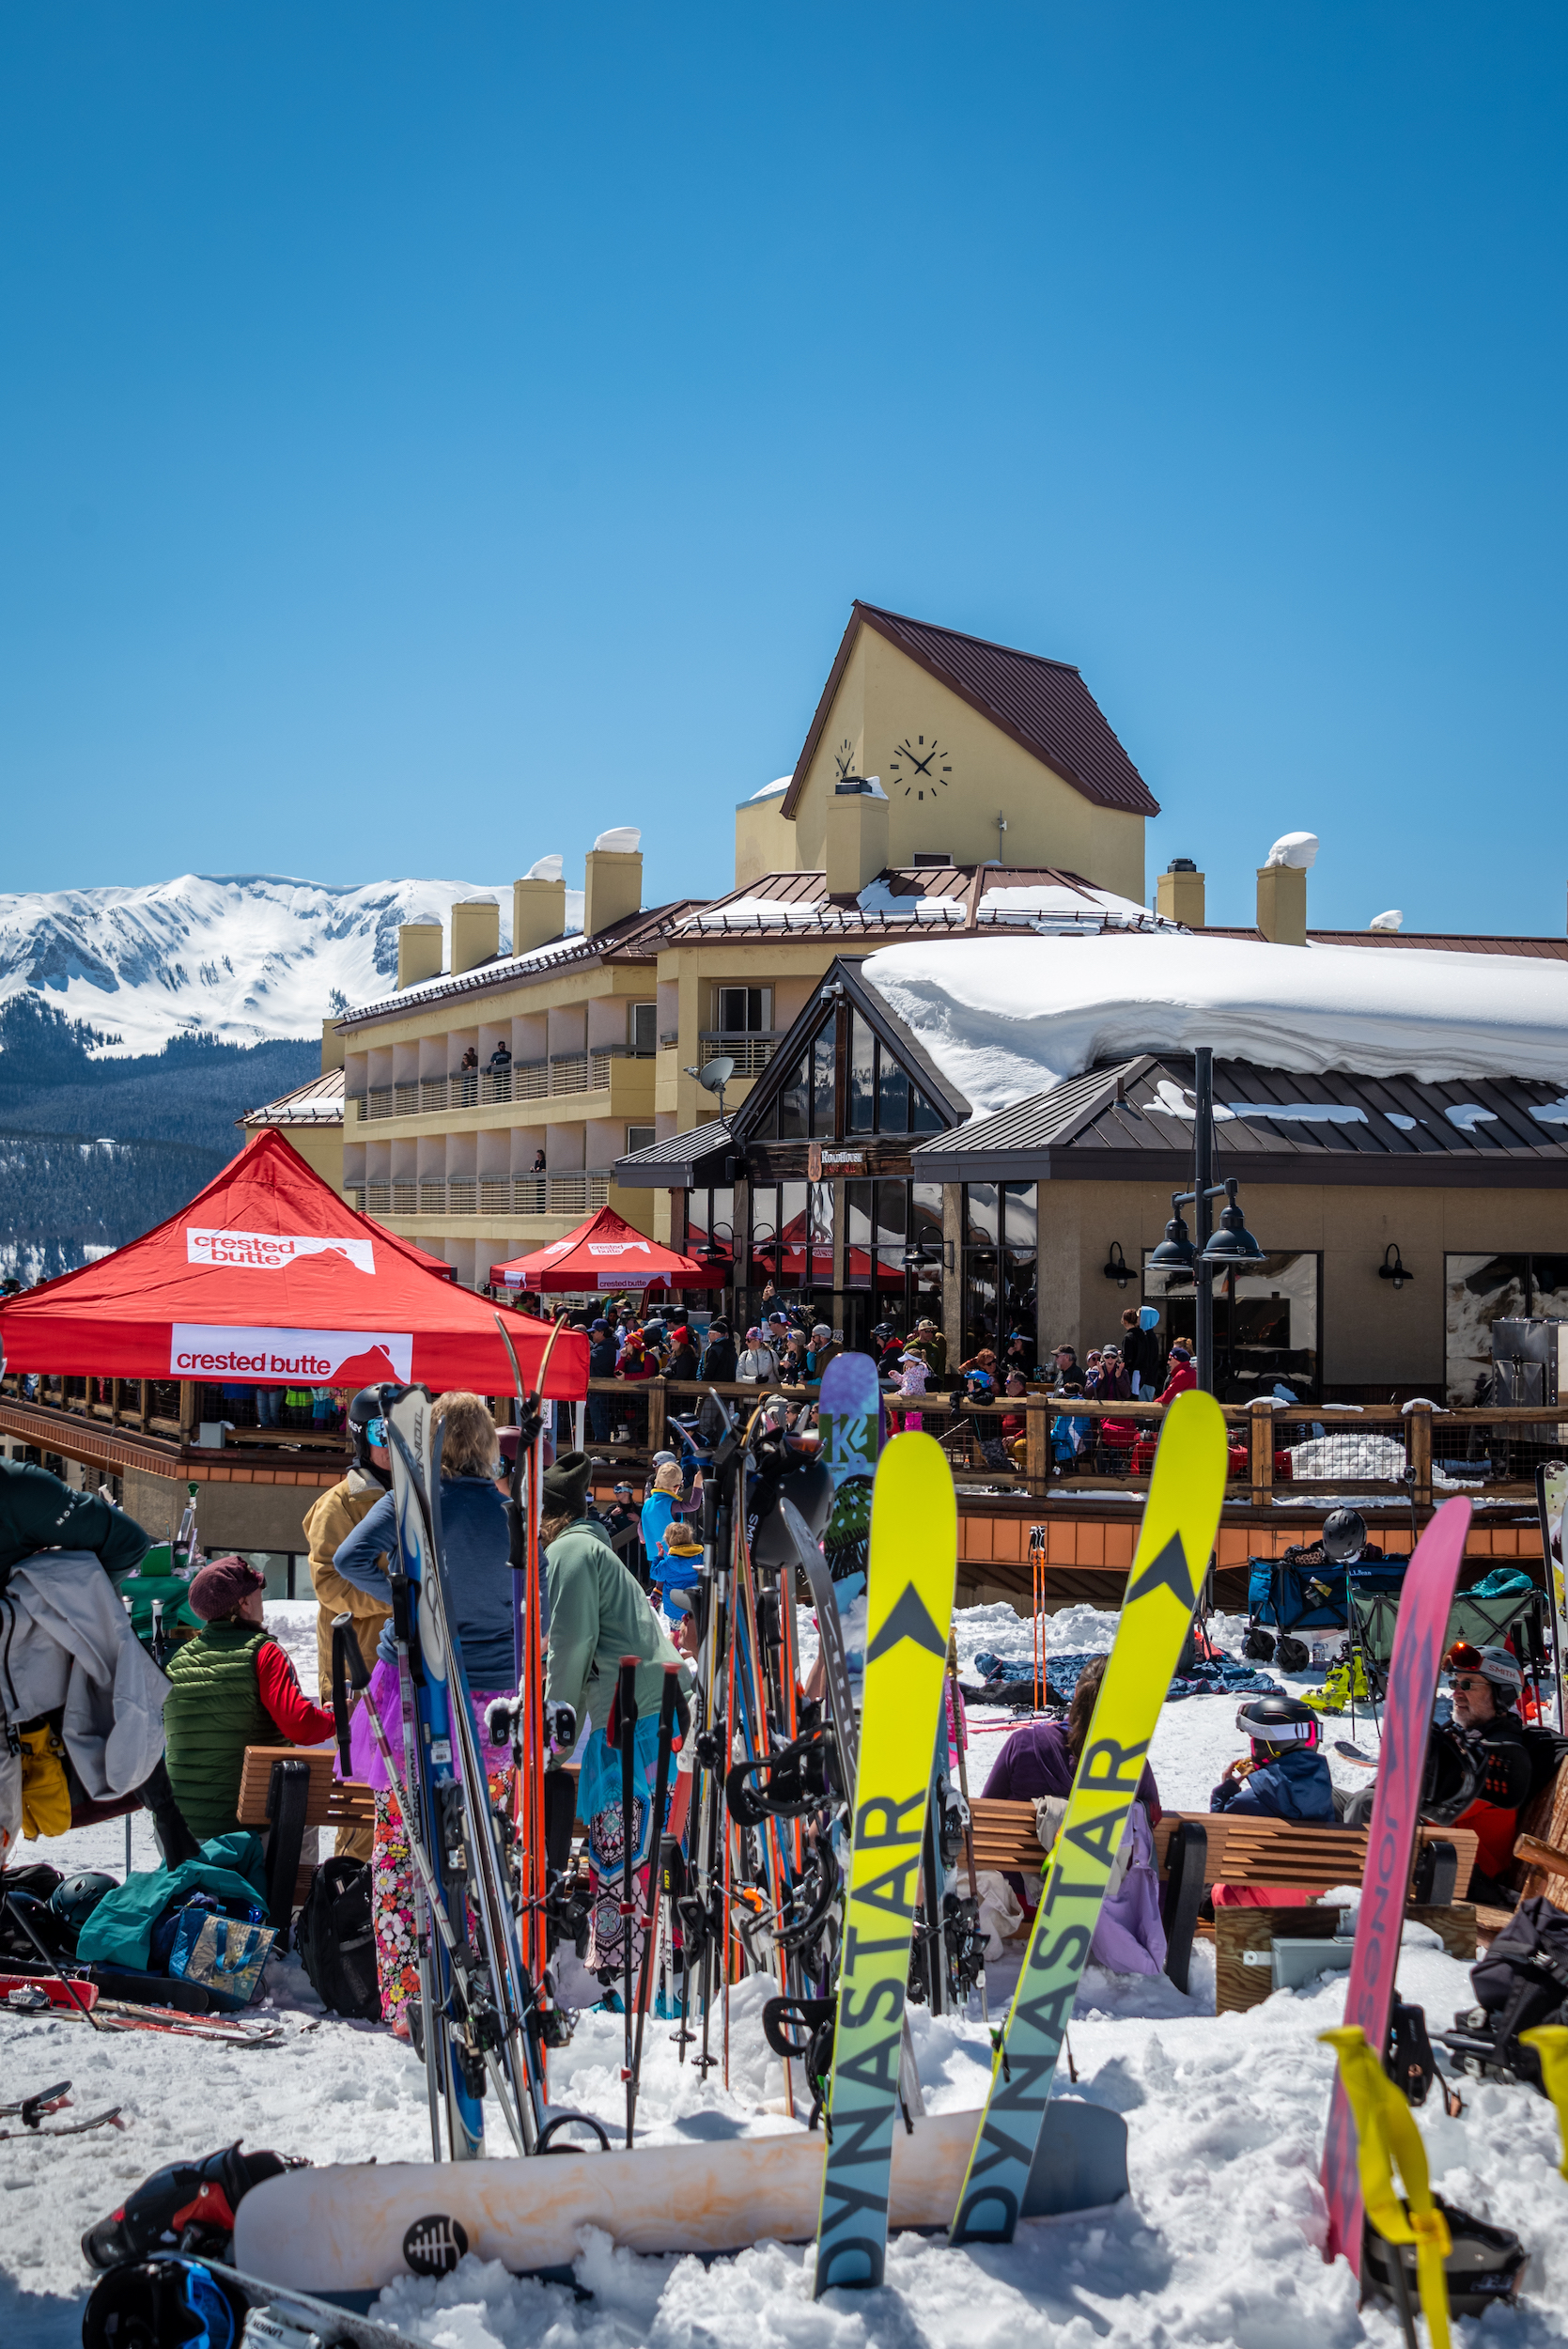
269,1252
318,1358
618,1247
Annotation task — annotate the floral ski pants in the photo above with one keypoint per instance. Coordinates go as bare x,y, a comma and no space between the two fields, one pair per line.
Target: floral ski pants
391,1907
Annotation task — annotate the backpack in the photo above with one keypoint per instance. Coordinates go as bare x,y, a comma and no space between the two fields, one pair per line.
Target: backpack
336,1937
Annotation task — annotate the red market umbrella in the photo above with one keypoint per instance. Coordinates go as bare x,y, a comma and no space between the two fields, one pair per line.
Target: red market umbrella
268,1278
607,1252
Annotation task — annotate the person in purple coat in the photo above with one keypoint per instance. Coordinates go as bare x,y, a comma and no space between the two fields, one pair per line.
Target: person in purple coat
1041,1758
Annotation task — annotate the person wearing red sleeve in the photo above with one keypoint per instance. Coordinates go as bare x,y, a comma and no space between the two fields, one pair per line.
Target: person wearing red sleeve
229,1687
1180,1375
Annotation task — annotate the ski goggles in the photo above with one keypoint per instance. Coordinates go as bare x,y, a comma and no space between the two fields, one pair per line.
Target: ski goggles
375,1434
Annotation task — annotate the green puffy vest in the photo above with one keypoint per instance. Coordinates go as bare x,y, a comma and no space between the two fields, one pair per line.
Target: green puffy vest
213,1712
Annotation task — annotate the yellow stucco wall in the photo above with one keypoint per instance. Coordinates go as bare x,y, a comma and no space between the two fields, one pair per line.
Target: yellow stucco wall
763,841
885,699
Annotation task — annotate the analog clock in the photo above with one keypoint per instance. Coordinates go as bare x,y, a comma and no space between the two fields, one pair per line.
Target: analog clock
844,758
920,765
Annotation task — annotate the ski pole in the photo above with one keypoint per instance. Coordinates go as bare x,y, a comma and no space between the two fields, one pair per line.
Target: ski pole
667,1698
626,1723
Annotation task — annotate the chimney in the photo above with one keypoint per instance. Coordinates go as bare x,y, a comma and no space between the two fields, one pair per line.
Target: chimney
856,834
332,1045
1179,894
539,905
1283,889
418,953
476,933
614,886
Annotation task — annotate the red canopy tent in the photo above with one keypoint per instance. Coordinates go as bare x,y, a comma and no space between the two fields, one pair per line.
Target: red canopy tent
607,1252
269,1277
421,1256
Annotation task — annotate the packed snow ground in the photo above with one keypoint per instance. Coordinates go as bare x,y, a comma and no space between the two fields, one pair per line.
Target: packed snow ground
1217,2242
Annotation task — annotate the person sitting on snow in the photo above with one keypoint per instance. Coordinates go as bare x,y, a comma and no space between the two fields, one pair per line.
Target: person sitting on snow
1284,1777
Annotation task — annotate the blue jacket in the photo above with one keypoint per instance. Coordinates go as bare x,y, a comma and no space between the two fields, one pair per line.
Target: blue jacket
1295,1786
480,1580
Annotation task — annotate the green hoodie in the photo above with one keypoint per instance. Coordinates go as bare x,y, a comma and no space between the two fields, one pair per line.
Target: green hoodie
598,1613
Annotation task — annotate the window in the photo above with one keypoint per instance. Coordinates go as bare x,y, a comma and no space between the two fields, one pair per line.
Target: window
743,1010
710,1222
1266,1323
932,856
643,1027
1001,1256
822,1057
640,1137
863,1077
1479,1290
794,1099
887,1224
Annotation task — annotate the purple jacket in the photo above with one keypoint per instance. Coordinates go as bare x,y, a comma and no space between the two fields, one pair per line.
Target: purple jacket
1130,1938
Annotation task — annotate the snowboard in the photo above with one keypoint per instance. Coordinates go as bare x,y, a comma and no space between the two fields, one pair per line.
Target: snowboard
1420,1629
347,2231
914,1565
1175,1544
849,1417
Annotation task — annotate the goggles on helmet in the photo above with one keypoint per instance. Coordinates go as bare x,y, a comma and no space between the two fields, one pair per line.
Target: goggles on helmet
374,1433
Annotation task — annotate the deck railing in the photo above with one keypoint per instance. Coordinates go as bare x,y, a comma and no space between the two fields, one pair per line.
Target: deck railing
588,1071
576,1194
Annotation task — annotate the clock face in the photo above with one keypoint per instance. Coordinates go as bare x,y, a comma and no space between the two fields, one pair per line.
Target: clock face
844,758
922,766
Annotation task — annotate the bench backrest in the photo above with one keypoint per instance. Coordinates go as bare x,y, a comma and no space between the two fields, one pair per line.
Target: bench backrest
1240,1851
331,1802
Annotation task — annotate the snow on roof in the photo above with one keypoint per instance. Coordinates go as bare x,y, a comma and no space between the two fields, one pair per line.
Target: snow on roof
877,898
1005,1015
774,790
1052,906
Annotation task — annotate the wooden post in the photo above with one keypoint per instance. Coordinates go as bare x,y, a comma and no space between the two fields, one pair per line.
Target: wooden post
114,1402
1261,1449
1037,1445
187,1411
141,1403
1421,1453
656,1407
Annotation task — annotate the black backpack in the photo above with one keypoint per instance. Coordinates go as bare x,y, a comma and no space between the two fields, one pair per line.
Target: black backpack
1520,1982
336,1937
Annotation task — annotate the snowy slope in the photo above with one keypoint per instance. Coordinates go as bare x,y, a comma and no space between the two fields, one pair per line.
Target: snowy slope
1012,1016
242,956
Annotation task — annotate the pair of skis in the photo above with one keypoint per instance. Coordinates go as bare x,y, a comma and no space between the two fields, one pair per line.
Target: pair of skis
913,1569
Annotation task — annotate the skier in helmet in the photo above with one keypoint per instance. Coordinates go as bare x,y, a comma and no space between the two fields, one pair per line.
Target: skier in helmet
1344,1537
1486,1685
1284,1777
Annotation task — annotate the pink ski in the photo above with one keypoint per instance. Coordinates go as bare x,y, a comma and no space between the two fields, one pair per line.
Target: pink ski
1419,1632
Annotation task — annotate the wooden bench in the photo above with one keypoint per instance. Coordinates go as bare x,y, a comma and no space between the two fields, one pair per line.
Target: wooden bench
1196,1849
273,1779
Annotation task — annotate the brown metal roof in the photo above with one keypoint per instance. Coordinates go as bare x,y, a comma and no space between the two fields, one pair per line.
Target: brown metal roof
1043,704
1125,1123
317,1102
635,938
1453,943
814,912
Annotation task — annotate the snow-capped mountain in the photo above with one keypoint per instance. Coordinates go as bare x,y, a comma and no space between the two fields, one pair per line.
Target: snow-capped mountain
242,956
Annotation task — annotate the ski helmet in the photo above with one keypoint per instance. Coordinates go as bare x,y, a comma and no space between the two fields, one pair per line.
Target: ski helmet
1278,1723
365,1413
1497,1666
74,1901
1344,1535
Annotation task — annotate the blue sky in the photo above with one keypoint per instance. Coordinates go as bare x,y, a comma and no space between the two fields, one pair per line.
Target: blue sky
428,436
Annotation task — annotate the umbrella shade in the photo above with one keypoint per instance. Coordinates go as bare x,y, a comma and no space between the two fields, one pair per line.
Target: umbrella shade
270,1279
607,1252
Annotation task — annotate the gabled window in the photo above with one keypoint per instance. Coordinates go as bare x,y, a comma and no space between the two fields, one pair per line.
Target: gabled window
882,1097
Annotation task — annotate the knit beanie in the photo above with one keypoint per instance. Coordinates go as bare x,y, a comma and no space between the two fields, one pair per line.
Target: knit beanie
222,1585
565,1484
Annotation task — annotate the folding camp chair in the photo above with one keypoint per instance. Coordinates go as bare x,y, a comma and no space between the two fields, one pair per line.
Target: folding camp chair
1486,1620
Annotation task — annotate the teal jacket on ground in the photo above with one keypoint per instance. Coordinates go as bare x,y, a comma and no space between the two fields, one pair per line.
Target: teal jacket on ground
598,1613
119,1930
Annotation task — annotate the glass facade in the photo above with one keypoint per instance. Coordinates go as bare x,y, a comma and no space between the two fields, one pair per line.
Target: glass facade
1001,1265
1266,1323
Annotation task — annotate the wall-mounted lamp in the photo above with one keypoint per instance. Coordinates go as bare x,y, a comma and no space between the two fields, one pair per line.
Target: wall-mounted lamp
1398,1272
1117,1268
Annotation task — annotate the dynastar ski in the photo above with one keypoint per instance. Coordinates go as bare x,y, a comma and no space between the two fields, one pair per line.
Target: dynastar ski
913,1563
1174,1543
1420,1629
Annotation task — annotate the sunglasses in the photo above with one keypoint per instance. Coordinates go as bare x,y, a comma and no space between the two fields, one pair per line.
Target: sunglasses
1469,1680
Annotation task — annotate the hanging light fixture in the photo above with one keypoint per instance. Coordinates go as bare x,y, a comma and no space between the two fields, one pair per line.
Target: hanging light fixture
1117,1268
1397,1273
1176,1252
1232,1244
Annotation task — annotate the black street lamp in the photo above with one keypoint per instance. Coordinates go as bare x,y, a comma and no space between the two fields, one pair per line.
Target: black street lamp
1213,1252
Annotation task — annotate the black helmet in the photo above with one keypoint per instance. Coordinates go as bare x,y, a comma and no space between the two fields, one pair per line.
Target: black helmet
1278,1723
1452,1779
74,1901
1344,1535
366,1407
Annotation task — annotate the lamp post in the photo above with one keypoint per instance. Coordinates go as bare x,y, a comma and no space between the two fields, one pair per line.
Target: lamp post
1214,1252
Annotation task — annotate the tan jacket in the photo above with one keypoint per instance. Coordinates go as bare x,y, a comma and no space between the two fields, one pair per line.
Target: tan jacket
328,1524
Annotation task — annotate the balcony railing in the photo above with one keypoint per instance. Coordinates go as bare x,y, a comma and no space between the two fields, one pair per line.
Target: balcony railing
751,1051
576,1194
523,1081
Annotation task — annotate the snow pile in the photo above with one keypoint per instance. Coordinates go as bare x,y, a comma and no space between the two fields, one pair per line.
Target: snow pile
242,956
878,897
1010,1016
